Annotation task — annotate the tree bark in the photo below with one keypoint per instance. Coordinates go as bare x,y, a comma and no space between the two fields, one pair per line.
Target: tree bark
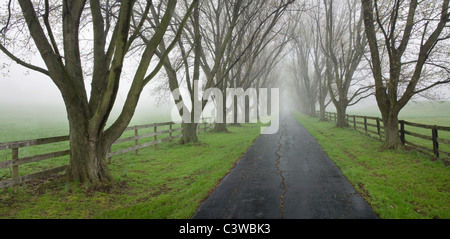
322,108
189,133
247,110
222,127
312,111
235,113
87,154
391,132
341,116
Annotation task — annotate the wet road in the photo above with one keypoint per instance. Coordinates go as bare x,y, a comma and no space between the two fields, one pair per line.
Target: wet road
282,176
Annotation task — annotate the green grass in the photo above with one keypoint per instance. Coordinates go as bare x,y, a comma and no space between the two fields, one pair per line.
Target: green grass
168,182
427,143
23,122
397,184
423,112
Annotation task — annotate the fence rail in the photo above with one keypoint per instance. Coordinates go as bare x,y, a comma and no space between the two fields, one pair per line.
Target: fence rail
16,161
373,127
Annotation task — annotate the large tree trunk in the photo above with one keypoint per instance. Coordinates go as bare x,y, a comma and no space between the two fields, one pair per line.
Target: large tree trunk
247,110
222,127
322,108
341,120
189,133
87,155
235,113
391,132
312,110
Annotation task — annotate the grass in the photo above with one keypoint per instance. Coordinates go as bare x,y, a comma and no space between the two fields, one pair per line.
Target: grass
168,182
397,184
26,123
423,112
427,143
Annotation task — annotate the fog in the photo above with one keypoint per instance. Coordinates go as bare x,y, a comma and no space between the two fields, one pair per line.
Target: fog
25,92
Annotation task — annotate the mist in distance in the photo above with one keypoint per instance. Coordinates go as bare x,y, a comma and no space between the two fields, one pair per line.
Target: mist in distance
30,96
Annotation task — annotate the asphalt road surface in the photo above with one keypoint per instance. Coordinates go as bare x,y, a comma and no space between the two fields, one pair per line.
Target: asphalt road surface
285,175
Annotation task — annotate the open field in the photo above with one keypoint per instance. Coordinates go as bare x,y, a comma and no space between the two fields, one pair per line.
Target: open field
22,122
172,180
424,112
397,184
167,182
429,113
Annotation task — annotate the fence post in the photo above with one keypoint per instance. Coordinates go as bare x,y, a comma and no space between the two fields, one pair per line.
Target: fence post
15,167
378,127
365,124
136,143
402,131
434,132
155,137
335,117
354,122
346,117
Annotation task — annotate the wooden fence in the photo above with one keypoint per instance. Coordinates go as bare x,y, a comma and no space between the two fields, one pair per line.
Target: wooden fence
373,126
16,161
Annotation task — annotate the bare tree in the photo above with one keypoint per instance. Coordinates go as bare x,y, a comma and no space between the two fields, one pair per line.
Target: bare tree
410,33
345,48
319,60
259,47
219,19
234,33
305,51
66,65
179,64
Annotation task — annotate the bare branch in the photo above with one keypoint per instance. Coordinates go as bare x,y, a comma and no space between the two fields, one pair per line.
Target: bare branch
21,62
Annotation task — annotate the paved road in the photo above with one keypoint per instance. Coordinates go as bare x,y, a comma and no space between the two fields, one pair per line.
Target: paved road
285,175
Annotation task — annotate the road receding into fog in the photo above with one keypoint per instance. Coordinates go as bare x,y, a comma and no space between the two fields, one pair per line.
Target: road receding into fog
282,176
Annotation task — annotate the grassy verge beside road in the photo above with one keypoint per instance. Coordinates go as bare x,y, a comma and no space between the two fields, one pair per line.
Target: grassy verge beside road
167,182
397,184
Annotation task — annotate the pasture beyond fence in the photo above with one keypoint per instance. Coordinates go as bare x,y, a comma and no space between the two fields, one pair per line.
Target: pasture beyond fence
424,138
141,133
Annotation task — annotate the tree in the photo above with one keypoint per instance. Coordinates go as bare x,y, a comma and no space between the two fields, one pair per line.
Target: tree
304,66
410,33
175,64
316,18
345,48
64,64
233,34
319,61
259,45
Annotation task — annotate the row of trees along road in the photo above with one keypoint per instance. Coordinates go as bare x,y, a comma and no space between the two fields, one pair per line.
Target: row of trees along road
393,49
340,52
327,59
232,43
